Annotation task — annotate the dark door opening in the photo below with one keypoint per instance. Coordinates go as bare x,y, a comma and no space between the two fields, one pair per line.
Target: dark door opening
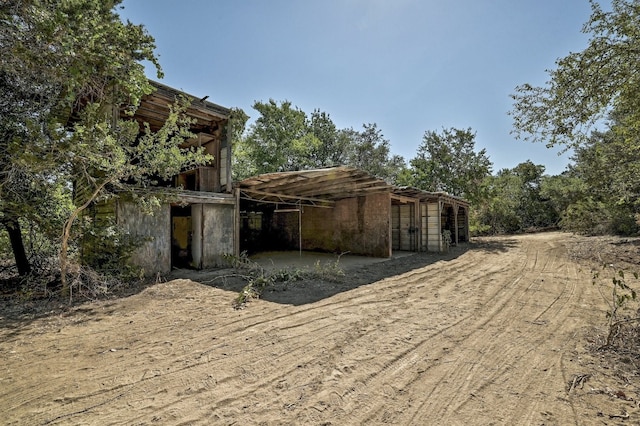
181,237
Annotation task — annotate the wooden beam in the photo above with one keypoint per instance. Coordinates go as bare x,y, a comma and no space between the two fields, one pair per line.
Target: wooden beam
264,197
403,198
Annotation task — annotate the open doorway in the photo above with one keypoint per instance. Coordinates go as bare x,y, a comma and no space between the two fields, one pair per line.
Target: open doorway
181,237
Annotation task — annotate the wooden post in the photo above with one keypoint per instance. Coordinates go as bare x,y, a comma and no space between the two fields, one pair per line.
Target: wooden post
236,231
227,137
440,226
455,220
417,226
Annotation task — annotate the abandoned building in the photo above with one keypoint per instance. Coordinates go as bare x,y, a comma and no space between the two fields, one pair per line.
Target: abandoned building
195,225
342,209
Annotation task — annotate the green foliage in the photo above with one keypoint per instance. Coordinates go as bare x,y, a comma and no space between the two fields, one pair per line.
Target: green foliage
69,68
604,183
515,202
106,248
591,217
585,85
59,57
587,216
285,138
561,191
333,149
448,162
368,150
328,271
277,140
98,152
260,279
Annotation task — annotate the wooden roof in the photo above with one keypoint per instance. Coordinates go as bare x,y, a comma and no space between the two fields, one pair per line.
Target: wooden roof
411,192
322,187
154,109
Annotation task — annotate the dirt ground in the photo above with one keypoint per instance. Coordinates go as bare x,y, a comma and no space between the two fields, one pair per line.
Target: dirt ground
502,331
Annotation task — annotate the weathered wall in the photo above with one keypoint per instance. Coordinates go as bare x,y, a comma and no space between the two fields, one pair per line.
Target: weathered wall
424,227
356,225
434,235
285,230
155,253
403,227
463,225
218,233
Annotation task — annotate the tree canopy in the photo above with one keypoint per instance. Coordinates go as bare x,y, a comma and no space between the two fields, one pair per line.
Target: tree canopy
67,69
591,103
585,86
285,138
448,162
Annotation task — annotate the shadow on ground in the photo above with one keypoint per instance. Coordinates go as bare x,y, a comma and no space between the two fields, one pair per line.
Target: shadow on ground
15,313
494,245
311,288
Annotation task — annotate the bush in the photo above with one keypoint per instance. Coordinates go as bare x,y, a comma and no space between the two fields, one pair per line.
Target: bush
106,248
589,217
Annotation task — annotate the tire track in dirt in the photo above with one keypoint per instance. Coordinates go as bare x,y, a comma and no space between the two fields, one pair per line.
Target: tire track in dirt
400,362
359,302
475,339
351,339
303,326
403,362
500,354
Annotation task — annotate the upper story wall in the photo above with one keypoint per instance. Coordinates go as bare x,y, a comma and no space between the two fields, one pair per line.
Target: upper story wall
210,127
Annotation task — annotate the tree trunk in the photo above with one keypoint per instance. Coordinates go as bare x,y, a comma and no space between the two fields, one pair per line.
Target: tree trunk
66,235
17,245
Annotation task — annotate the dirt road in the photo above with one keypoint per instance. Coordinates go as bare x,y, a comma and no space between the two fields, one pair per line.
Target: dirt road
492,334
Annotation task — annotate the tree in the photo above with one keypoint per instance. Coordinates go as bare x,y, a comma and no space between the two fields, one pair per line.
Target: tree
108,159
600,85
448,162
515,201
333,149
562,190
278,140
240,160
586,85
608,169
368,150
284,138
67,68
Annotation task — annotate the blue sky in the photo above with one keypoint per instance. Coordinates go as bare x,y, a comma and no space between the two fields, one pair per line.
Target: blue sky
408,65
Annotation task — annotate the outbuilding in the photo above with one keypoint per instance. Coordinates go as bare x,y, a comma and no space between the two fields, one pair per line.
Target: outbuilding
343,209
204,216
195,223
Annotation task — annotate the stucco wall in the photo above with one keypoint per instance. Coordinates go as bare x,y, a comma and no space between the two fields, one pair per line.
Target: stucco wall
218,233
357,225
155,253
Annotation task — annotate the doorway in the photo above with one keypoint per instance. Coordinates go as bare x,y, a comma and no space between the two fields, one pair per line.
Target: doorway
181,237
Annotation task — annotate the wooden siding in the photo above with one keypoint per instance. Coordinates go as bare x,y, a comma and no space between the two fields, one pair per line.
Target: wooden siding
434,237
224,168
403,228
424,227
